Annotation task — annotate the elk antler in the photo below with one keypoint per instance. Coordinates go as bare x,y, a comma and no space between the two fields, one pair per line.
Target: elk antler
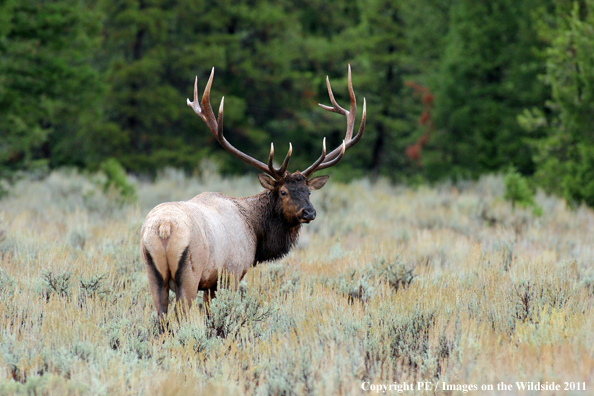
204,110
326,161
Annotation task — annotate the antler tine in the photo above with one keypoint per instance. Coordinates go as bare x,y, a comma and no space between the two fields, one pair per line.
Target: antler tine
335,155
220,120
195,105
280,172
204,111
336,108
285,163
195,91
309,171
330,163
206,95
270,158
353,109
350,115
354,140
363,122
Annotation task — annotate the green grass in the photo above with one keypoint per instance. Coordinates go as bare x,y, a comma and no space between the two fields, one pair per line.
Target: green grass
387,284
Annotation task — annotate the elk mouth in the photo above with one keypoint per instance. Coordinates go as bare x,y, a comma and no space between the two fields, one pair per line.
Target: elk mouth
307,216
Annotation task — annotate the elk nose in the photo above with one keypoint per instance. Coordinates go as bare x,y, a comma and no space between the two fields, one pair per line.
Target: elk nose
308,214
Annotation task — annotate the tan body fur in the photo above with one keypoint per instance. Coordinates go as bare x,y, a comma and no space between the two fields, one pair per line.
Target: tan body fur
217,235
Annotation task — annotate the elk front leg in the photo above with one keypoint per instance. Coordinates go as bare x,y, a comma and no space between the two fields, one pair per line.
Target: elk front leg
209,294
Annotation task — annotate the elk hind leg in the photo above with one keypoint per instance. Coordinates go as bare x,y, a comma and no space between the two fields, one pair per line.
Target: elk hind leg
159,289
186,283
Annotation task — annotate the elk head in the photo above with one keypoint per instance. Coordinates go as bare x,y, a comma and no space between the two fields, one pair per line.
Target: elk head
291,190
291,193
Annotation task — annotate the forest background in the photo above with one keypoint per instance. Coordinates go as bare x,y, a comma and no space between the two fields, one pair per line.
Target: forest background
455,88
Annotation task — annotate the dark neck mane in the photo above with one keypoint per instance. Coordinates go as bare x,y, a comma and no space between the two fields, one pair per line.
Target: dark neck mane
274,235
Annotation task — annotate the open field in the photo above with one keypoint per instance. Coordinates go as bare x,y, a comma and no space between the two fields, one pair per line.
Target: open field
387,284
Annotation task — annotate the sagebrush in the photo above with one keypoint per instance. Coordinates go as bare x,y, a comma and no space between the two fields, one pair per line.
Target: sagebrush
387,284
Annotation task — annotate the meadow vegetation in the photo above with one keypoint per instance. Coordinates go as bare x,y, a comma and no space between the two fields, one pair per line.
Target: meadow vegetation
389,283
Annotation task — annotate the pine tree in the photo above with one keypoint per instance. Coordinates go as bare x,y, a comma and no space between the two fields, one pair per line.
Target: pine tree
47,86
386,57
489,73
565,155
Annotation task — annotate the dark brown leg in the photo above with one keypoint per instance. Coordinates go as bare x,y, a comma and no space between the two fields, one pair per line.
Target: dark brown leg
209,294
185,295
159,289
161,301
186,283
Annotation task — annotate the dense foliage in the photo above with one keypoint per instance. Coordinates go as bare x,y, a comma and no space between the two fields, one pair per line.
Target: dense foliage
564,129
85,81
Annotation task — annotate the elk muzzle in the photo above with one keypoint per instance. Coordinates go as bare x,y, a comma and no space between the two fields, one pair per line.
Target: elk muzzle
307,214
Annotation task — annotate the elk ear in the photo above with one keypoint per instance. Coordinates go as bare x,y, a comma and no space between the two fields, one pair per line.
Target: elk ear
266,181
317,182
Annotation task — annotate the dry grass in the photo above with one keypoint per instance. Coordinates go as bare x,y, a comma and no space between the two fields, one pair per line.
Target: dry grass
388,284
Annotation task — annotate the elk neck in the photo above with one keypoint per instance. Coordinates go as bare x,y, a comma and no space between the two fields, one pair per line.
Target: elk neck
274,235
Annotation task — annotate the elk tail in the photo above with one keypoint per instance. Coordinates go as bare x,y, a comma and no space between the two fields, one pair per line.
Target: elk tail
164,232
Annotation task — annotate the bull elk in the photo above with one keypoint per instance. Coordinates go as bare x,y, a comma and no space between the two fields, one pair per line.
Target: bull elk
186,245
